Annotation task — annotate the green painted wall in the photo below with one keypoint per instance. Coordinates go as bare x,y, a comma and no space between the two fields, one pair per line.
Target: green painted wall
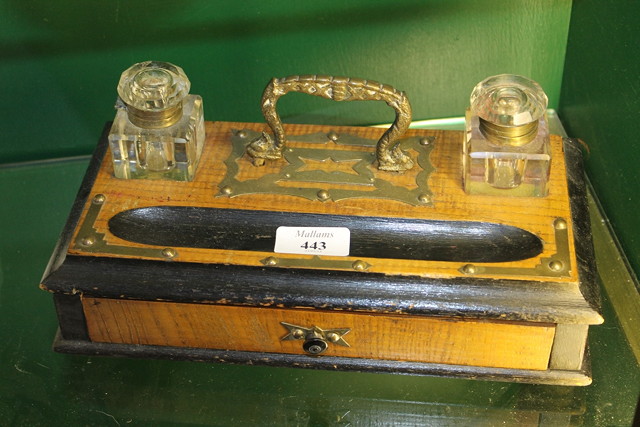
600,103
61,60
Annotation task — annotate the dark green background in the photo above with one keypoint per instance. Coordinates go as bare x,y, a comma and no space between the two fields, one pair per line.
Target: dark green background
59,65
61,60
600,103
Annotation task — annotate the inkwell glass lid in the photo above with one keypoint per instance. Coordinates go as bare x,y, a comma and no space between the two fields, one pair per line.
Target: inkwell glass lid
153,86
508,100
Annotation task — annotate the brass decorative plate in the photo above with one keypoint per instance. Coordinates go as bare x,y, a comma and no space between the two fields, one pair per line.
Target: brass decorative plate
299,169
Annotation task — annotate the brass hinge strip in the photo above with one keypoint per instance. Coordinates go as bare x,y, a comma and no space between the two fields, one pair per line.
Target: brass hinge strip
316,262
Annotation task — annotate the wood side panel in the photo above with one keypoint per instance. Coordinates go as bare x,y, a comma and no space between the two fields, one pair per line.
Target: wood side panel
389,337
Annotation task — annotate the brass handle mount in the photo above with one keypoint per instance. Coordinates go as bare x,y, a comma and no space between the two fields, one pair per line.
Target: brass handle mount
388,153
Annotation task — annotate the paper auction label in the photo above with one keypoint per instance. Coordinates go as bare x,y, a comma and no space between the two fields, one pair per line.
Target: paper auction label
313,240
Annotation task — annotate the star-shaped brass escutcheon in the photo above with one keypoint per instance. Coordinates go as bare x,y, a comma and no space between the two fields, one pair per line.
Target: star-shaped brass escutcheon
333,336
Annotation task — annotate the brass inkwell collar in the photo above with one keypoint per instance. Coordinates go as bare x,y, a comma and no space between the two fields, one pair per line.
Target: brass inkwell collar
509,108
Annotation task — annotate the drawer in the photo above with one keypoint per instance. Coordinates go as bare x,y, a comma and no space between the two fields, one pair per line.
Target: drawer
371,336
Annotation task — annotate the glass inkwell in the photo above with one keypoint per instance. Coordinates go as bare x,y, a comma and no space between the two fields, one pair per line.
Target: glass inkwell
507,147
158,132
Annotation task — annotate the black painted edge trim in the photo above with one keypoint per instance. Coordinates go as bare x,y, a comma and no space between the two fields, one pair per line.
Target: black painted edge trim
59,253
583,240
320,289
581,377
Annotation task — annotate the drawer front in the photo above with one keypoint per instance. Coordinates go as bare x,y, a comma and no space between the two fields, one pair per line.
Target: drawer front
371,336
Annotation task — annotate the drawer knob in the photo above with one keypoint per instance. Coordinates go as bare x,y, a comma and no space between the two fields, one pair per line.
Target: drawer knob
315,346
316,340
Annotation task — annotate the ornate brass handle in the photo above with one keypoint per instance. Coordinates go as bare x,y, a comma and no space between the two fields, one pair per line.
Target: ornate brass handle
388,153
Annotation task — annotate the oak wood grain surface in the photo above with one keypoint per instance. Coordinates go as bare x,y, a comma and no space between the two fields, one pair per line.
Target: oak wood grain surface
449,200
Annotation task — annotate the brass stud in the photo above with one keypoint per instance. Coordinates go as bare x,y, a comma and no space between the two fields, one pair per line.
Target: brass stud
169,253
323,195
427,140
556,265
226,190
297,333
560,224
242,134
271,261
88,241
424,198
359,265
333,136
99,199
333,337
469,269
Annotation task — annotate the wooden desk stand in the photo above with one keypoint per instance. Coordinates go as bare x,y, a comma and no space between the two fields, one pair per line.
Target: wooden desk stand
187,270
